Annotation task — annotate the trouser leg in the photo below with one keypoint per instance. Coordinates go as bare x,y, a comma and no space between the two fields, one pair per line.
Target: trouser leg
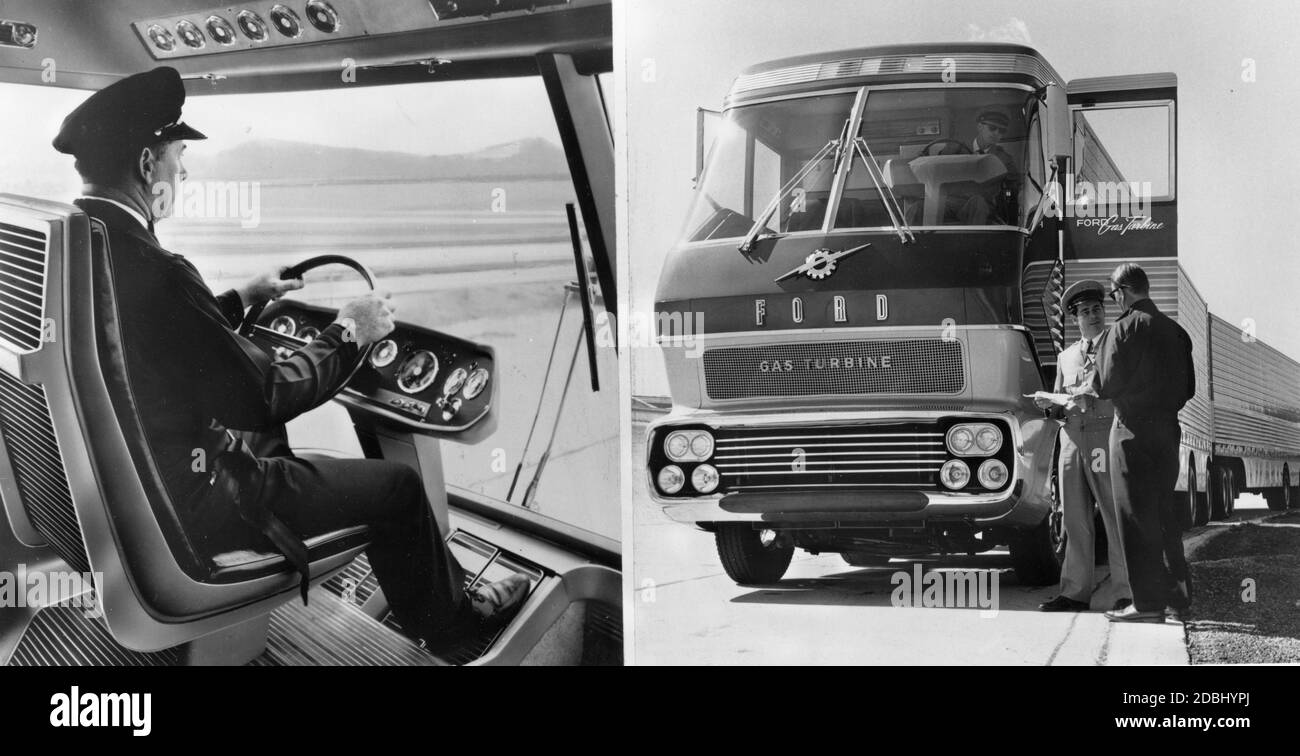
1177,577
1076,508
419,575
1099,483
1137,488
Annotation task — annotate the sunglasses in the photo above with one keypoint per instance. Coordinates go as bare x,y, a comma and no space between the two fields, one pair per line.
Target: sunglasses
1114,292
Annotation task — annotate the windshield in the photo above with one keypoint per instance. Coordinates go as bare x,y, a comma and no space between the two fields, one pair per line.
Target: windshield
946,156
759,148
458,212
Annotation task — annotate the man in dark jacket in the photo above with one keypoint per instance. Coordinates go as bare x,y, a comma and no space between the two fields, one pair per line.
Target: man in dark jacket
194,377
1144,366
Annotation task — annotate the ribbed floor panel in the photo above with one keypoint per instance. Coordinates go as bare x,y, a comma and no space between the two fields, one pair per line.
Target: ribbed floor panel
330,632
63,636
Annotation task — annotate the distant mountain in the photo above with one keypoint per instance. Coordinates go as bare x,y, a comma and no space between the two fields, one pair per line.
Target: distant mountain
287,161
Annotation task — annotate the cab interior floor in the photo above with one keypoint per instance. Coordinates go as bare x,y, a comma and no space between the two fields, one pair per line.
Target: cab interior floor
357,585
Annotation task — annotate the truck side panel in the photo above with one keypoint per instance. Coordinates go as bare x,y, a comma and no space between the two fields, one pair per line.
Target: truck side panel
1256,395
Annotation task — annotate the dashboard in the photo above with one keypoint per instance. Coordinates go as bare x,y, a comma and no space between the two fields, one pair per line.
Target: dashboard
422,380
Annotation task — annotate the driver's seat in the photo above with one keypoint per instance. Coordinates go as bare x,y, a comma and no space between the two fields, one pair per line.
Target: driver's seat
156,588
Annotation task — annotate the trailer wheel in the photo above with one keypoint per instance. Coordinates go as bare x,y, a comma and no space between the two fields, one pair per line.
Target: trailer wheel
1279,499
1200,512
752,557
865,559
1216,479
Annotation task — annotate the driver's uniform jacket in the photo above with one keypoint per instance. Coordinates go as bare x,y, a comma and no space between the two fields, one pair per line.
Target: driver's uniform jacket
192,375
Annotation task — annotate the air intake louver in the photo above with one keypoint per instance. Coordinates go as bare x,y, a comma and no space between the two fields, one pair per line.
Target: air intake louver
38,468
22,287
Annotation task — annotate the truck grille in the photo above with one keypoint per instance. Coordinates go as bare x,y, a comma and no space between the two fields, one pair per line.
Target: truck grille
22,287
905,366
862,456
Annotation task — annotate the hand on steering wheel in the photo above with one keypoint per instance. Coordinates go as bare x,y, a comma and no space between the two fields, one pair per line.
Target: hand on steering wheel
962,147
375,313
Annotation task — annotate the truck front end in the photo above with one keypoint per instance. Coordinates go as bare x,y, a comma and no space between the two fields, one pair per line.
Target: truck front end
843,324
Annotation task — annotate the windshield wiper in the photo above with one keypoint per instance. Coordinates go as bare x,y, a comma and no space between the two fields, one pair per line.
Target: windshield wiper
747,244
892,205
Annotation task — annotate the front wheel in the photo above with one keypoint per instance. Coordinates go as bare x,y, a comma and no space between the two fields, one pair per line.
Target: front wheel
1036,554
752,557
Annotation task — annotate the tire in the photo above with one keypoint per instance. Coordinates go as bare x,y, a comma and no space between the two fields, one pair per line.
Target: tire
748,558
1279,499
1199,507
1217,480
1036,555
1233,488
864,559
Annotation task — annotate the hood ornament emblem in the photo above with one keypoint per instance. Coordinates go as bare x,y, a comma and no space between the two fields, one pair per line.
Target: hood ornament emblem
820,264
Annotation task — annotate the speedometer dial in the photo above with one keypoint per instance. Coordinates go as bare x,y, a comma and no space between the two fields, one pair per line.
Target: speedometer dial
416,373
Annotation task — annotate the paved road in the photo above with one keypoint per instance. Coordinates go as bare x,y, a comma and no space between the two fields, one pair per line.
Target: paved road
687,611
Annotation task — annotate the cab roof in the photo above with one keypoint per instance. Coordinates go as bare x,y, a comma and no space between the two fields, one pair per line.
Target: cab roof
90,45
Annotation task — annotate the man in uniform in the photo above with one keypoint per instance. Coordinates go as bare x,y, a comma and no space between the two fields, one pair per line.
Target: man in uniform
197,380
1083,470
1144,366
986,203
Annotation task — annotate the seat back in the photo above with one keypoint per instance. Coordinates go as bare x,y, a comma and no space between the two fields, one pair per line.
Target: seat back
83,472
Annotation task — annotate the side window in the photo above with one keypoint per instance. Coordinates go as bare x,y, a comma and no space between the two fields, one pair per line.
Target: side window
1122,149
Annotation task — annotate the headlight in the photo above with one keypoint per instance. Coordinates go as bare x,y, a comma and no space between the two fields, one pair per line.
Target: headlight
705,478
960,439
954,474
992,474
677,445
988,438
974,439
689,445
671,479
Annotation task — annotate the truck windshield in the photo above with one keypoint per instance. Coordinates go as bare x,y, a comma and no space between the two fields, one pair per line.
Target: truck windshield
949,156
759,148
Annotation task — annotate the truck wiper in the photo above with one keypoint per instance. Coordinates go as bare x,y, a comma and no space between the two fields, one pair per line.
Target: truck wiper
747,244
892,205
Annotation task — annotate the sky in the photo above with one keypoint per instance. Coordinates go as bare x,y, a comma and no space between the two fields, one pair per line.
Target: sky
1239,142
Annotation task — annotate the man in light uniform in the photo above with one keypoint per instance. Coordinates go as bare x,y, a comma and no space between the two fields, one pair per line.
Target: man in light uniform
1083,471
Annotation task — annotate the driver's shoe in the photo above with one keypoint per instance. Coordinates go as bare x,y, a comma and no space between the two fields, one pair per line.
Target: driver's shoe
495,603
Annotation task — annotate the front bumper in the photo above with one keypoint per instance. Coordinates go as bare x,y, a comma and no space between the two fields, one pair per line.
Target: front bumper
1022,503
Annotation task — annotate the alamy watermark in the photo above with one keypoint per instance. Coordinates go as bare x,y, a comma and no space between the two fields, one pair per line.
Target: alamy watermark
953,589
37,588
241,200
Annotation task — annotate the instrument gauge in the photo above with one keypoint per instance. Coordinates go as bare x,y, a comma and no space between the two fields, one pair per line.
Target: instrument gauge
322,16
477,381
220,30
454,381
384,354
417,371
190,34
286,22
309,333
284,325
251,25
162,39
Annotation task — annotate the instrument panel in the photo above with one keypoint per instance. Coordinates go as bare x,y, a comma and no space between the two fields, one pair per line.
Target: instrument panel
421,379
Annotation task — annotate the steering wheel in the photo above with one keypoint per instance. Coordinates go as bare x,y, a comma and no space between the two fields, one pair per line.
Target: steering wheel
962,147
249,326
